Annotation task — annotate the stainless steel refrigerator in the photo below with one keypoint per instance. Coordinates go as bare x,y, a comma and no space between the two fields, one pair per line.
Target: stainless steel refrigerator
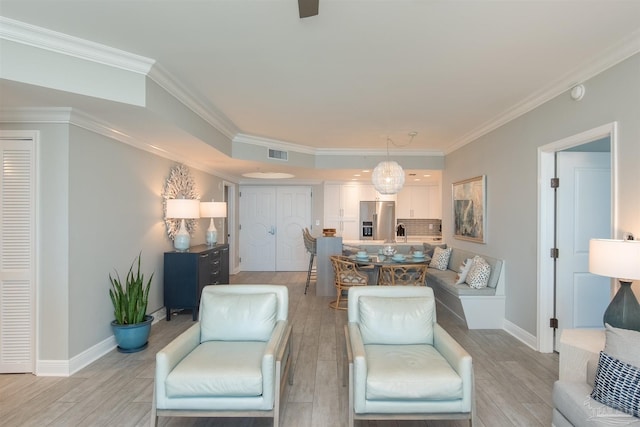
378,220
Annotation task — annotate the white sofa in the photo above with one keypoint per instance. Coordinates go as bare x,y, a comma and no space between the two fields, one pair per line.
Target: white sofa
572,404
479,308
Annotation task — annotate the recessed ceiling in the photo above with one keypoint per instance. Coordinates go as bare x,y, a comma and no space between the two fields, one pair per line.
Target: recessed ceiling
346,79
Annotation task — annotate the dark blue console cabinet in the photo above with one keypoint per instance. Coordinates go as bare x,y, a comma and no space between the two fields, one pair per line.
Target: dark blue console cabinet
186,273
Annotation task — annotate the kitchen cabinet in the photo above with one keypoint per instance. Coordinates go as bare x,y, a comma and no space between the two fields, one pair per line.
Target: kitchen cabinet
368,192
419,201
434,204
342,209
186,273
342,206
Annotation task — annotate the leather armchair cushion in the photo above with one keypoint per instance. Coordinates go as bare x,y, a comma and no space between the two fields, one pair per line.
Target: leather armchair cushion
396,320
410,372
237,317
219,368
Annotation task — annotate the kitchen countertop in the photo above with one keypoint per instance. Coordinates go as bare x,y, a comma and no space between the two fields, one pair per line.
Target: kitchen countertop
400,241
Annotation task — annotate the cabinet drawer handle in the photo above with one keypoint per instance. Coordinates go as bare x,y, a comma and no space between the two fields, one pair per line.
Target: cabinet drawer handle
204,256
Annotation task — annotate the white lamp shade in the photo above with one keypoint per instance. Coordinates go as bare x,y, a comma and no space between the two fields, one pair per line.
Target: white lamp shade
213,209
388,177
183,208
615,258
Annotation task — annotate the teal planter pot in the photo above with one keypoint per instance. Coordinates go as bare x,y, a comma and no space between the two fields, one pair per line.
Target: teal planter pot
132,338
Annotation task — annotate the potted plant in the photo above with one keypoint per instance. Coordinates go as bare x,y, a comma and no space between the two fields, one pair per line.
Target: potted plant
132,325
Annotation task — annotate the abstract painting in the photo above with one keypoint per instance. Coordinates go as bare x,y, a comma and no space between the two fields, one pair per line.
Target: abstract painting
469,211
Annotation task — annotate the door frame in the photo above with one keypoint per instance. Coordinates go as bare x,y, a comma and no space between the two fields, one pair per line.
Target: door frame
231,228
546,219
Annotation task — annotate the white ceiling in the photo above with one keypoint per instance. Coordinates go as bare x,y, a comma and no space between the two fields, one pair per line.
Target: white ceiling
357,73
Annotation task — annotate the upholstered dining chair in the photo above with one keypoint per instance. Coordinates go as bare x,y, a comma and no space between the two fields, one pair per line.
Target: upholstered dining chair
347,275
233,362
401,363
403,274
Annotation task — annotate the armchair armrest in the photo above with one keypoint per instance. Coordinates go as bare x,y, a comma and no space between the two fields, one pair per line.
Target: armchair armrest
272,349
459,359
359,361
171,355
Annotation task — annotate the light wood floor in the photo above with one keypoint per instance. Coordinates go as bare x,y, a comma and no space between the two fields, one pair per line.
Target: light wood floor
513,382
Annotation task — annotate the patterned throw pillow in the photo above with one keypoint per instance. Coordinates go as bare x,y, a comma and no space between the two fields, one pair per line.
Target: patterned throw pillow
440,258
617,385
463,271
478,276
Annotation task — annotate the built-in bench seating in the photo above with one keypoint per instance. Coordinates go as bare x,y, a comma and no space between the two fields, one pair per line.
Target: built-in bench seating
479,308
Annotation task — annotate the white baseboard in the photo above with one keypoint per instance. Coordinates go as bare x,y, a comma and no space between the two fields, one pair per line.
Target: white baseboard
521,335
64,368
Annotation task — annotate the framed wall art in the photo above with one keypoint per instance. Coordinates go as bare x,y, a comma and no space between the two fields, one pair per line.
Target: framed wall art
469,209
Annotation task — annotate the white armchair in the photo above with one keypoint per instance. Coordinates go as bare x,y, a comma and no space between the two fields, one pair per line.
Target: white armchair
402,364
233,361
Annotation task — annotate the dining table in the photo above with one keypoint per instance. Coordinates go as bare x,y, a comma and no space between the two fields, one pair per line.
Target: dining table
372,263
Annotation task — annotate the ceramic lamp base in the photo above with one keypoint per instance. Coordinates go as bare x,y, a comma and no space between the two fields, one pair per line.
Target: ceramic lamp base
212,234
623,311
182,239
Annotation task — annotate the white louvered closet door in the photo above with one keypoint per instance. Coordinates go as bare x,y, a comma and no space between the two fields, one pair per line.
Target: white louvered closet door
17,270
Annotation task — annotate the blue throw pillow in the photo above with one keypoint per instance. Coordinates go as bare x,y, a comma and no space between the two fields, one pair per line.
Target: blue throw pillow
617,385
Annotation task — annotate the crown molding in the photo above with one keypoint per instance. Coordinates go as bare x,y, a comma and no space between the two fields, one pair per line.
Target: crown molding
610,57
272,143
209,114
54,41
64,115
288,146
376,152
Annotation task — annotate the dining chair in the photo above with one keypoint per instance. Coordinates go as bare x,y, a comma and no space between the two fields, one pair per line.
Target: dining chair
403,274
310,245
347,275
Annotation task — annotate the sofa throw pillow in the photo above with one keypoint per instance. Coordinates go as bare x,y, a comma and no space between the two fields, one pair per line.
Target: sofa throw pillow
463,271
237,317
429,248
440,258
617,385
396,320
478,276
623,344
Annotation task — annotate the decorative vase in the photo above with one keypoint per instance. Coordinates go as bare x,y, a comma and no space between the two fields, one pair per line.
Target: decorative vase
132,338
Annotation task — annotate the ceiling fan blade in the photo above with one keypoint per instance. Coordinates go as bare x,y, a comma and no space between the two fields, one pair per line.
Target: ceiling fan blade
308,8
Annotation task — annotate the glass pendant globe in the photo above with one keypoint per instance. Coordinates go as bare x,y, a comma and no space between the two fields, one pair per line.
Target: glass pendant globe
388,177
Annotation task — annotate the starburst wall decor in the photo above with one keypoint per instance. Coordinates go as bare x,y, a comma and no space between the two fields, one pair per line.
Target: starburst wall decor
179,185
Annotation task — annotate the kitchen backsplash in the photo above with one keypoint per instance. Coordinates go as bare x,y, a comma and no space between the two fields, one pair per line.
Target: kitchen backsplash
421,227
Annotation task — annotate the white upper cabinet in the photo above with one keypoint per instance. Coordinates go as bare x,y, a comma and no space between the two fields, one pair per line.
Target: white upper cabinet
342,206
419,201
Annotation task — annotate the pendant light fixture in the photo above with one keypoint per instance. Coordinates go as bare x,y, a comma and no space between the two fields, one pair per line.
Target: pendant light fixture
388,176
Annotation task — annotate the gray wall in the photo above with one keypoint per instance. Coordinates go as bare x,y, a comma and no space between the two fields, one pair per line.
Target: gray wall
508,156
100,205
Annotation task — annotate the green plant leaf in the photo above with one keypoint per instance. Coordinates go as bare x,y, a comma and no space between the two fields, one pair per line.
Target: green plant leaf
131,298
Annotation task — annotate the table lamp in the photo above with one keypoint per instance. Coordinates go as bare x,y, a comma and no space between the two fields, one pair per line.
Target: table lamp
182,209
213,210
618,259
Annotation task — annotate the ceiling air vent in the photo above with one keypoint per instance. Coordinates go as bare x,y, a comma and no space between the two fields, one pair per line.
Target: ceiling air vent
278,154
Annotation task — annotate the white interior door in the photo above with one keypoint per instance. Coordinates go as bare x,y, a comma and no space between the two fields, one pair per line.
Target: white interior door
258,228
271,221
17,255
293,214
583,213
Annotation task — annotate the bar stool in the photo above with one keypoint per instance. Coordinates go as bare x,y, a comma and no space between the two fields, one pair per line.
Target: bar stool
310,245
